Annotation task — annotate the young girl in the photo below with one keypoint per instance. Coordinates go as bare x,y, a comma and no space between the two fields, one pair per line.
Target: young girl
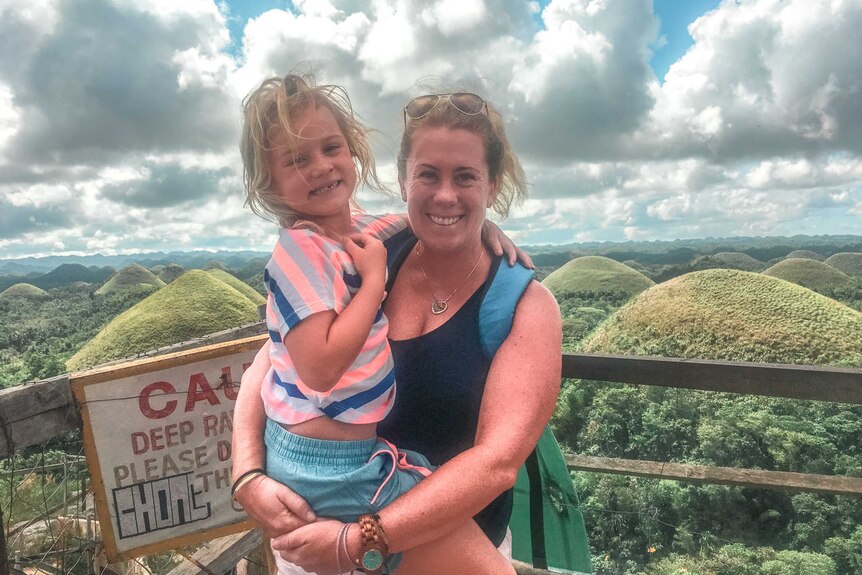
332,376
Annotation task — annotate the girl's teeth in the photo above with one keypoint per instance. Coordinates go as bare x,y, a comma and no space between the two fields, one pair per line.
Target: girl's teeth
445,221
321,190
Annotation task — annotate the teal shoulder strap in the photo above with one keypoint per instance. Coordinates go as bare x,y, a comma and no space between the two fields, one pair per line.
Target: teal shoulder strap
547,525
503,290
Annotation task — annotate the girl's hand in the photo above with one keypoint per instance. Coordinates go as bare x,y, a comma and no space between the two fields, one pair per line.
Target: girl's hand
369,256
499,243
313,547
275,506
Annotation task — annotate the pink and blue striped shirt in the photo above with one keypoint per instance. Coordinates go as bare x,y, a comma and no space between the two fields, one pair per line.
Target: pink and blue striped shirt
310,273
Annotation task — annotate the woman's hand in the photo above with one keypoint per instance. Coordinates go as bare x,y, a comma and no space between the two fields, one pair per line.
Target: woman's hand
275,506
313,547
500,244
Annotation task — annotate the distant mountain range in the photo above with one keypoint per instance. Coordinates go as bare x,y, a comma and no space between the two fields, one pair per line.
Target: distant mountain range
194,259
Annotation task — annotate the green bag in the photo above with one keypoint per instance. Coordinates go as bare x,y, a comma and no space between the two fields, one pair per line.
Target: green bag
547,526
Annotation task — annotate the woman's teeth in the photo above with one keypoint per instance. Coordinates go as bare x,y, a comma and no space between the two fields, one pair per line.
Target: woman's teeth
444,221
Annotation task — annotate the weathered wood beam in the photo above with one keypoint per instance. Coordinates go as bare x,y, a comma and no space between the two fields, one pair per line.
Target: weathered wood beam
841,385
833,484
220,555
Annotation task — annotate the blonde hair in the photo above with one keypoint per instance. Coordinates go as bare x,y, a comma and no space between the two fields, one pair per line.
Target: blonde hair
273,106
503,164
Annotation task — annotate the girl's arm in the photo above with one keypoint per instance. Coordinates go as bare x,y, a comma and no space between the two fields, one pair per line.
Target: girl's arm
325,344
519,398
273,505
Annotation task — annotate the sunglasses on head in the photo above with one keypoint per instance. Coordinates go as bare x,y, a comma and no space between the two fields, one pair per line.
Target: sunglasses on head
466,103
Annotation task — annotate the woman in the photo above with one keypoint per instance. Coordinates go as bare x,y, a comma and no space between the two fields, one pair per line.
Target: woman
477,417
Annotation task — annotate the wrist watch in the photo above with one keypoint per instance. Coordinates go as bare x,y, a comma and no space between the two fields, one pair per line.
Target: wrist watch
375,548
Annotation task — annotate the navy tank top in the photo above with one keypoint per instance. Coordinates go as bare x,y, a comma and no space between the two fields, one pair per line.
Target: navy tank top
441,378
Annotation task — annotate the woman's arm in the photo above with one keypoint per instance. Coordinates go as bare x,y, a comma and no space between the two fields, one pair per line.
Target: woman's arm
273,505
519,398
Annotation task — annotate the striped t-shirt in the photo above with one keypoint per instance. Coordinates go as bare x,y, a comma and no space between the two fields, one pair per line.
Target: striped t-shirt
310,273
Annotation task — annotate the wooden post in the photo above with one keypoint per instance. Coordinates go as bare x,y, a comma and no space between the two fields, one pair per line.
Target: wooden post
4,561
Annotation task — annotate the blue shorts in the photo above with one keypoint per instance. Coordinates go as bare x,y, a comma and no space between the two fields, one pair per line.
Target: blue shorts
342,479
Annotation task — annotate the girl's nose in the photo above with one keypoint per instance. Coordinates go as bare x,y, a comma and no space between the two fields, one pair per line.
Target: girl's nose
321,166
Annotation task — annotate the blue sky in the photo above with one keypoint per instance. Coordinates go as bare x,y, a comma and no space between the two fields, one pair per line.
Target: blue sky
119,120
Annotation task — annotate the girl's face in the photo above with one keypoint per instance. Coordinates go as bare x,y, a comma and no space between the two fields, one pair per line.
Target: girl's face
447,188
314,175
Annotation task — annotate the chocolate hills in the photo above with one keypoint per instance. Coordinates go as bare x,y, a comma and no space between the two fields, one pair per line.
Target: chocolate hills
809,273
596,274
733,315
195,304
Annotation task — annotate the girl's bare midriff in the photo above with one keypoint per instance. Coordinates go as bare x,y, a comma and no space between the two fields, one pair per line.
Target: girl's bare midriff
325,428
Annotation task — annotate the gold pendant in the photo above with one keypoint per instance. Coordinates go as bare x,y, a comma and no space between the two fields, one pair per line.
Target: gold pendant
438,307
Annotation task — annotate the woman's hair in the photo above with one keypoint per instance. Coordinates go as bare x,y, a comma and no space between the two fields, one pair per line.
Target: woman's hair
273,107
503,164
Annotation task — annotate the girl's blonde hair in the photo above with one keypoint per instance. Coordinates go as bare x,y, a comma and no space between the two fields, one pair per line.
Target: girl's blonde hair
503,164
274,106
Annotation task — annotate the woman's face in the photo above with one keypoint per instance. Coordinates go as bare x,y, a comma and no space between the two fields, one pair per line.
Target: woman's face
447,188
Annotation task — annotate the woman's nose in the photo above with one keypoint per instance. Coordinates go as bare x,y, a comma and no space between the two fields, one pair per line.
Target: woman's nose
445,194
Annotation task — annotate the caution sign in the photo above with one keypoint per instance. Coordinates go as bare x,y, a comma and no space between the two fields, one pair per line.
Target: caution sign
157,437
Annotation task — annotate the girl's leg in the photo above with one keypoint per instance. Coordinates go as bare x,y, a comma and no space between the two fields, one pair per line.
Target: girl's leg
464,551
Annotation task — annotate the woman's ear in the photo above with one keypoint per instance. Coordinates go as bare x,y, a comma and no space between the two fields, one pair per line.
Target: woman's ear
492,193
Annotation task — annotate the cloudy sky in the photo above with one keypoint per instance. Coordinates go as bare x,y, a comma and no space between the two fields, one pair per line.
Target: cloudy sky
634,119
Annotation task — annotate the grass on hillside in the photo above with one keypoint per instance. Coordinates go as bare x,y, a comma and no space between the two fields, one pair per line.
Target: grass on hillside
596,274
848,262
728,260
808,273
170,272
24,290
238,285
195,304
805,255
734,315
131,276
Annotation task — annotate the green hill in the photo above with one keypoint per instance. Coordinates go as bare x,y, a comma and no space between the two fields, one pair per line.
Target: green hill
129,278
23,290
238,285
596,274
812,274
196,304
215,265
170,272
848,262
733,315
805,255
728,260
66,274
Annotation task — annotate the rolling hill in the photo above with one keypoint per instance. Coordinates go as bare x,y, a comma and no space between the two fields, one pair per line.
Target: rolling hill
596,274
170,272
131,277
195,304
66,274
238,285
812,274
805,255
848,262
733,315
23,290
728,260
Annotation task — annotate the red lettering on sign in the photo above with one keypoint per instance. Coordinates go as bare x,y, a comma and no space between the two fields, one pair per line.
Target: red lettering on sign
199,390
147,408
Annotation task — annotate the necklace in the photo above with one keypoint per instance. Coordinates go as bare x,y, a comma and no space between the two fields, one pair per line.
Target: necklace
439,306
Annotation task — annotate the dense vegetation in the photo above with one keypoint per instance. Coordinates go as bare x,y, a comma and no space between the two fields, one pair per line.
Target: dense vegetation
636,526
669,528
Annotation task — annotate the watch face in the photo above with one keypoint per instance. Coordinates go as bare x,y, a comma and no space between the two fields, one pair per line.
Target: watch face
372,559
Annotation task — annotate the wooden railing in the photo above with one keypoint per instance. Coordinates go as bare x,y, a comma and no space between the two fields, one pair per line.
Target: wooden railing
32,413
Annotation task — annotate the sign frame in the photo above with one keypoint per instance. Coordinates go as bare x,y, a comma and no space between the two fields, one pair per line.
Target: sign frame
79,383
